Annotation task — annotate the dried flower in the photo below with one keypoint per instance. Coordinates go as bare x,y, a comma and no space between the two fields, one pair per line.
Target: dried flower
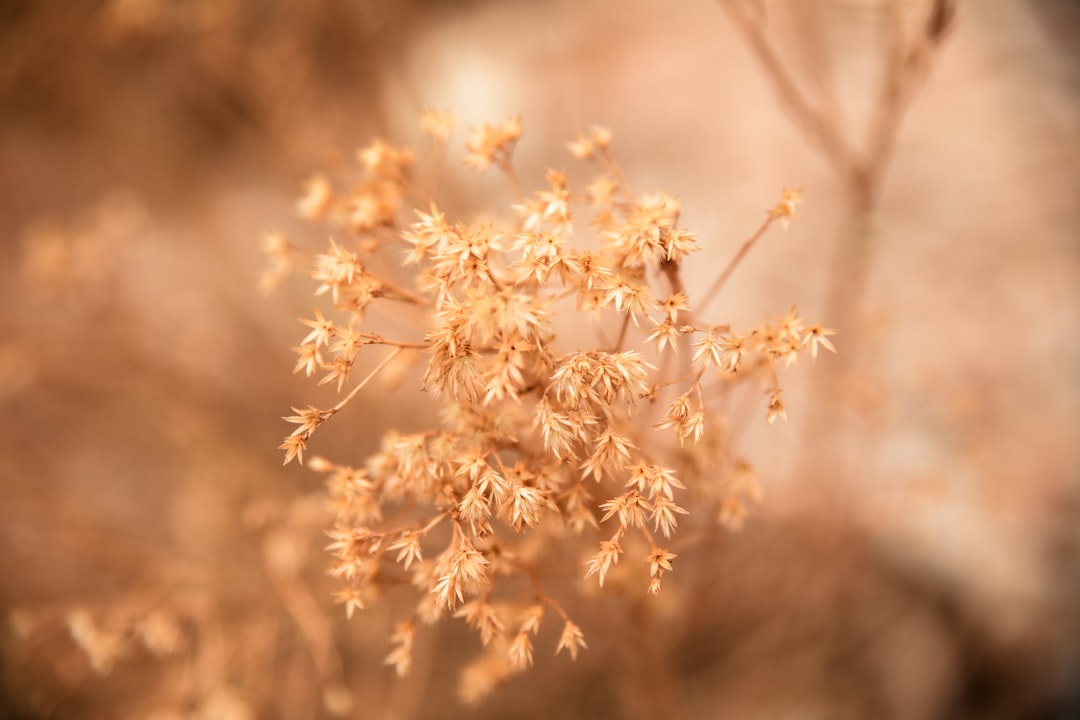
817,336
539,437
572,640
438,123
317,198
785,209
401,643
493,144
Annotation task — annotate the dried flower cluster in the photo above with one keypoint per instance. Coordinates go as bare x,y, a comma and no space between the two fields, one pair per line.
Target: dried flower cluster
546,448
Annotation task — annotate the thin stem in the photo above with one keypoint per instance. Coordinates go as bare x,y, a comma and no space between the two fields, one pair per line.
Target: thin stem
648,537
511,176
696,374
531,574
607,163
817,61
371,376
306,612
622,332
438,166
671,271
747,244
416,526
401,344
824,134
402,295
905,69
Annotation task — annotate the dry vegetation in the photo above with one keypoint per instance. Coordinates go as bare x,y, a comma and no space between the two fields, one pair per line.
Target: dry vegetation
542,452
560,443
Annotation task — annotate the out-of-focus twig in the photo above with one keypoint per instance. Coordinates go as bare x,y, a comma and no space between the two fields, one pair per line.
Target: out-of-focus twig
860,163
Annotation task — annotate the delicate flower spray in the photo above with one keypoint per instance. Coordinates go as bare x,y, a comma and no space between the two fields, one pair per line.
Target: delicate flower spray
550,459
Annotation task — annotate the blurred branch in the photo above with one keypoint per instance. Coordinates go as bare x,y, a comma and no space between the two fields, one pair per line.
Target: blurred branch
823,133
907,65
860,164
906,68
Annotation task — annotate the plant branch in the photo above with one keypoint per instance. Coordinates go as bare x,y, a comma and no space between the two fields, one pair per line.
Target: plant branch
710,295
360,386
824,134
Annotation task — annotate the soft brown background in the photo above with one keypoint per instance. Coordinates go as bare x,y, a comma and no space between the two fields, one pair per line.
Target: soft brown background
146,146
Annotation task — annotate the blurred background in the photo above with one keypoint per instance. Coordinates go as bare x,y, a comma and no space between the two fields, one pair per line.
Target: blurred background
918,551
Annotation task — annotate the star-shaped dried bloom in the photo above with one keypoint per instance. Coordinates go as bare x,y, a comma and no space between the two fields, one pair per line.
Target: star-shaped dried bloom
732,513
526,505
630,507
581,147
408,547
549,206
294,447
679,243
777,408
584,148
664,334
493,144
307,419
601,191
572,639
317,198
531,619
654,480
629,298
817,336
663,515
350,597
281,255
684,419
437,123
322,330
429,233
466,573
611,451
673,304
401,643
350,339
710,352
659,561
520,653
336,270
384,160
791,325
481,616
735,351
605,559
785,210
310,359
601,136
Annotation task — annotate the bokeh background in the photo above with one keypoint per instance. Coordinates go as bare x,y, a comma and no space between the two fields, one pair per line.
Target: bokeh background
918,553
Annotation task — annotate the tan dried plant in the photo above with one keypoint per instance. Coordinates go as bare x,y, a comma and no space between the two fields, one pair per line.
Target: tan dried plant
551,458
